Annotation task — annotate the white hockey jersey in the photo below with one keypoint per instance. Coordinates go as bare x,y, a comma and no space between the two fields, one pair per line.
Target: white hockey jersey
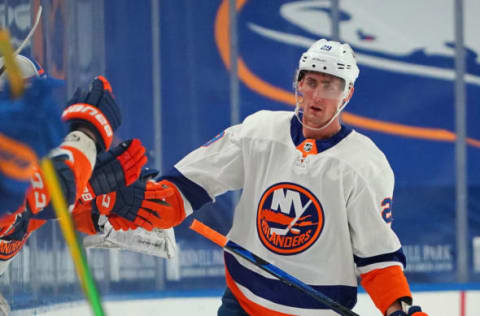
317,209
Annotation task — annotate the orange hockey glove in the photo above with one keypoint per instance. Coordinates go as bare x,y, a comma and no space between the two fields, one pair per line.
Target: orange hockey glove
7,220
15,235
86,220
116,168
148,205
95,109
120,223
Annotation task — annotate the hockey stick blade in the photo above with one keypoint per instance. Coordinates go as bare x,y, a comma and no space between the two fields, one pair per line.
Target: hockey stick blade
281,275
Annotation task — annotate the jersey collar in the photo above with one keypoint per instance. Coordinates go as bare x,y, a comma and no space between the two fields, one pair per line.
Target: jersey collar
322,144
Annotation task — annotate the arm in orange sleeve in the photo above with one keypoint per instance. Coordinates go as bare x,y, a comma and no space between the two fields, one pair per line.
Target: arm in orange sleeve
386,286
73,162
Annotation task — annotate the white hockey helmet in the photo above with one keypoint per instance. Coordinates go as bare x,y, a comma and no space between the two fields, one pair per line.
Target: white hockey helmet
28,67
330,57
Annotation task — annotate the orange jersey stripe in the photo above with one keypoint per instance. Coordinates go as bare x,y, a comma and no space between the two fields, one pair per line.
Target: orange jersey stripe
248,306
16,159
385,286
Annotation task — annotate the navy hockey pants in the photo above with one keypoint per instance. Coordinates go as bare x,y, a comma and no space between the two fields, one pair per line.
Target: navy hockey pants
230,305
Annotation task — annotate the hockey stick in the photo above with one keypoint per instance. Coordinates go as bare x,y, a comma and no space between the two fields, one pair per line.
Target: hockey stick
58,201
281,275
13,74
22,45
66,224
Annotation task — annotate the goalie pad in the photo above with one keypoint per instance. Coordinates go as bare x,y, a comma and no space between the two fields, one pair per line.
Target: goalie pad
158,242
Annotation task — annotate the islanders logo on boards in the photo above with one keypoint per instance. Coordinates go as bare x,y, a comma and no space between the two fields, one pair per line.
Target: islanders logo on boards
289,218
270,26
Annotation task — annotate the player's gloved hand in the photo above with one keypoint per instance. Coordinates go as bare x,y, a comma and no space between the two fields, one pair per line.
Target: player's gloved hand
172,219
120,223
143,204
17,228
17,225
117,168
412,311
95,109
17,233
7,222
87,221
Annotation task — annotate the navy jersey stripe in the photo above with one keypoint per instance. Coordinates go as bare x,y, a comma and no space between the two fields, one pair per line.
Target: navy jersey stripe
280,293
322,144
397,256
195,194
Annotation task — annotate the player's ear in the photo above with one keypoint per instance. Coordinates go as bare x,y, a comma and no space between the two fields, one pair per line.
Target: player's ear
300,85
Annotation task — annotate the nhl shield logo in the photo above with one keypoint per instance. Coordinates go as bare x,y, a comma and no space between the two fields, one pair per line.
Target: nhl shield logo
289,218
307,147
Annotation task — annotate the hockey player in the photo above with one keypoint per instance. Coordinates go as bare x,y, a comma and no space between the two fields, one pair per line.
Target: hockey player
316,199
115,174
92,117
30,126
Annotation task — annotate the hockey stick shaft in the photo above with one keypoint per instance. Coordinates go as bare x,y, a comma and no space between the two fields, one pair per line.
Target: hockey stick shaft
32,30
66,224
281,275
14,75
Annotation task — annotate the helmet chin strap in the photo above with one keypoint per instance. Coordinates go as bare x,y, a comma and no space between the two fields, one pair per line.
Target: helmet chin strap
340,107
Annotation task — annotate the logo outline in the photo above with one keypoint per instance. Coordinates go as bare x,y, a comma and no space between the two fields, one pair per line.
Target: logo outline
313,201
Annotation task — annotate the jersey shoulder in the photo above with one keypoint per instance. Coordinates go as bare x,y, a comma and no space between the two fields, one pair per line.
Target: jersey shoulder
363,155
268,125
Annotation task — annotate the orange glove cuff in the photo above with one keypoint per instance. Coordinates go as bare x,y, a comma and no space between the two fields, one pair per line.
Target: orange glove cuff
385,286
177,214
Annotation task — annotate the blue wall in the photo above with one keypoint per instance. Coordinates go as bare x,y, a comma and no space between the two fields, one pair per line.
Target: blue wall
196,106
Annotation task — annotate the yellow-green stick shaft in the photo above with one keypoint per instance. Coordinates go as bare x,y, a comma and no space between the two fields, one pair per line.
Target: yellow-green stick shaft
66,224
13,72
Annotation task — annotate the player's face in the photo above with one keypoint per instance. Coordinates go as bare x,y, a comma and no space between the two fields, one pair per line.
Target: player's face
322,94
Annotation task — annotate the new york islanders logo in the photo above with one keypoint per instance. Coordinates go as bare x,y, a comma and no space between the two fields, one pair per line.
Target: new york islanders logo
289,218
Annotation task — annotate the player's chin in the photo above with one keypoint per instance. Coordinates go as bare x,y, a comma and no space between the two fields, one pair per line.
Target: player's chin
315,116
315,122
